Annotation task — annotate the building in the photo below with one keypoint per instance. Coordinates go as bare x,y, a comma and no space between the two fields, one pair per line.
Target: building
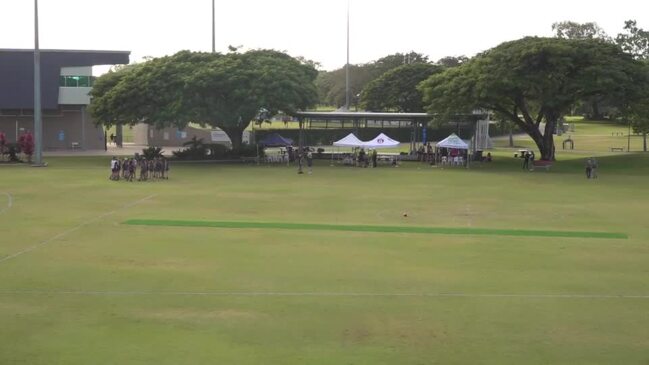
66,80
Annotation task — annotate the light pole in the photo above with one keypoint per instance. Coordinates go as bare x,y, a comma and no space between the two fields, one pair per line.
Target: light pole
213,28
38,118
347,65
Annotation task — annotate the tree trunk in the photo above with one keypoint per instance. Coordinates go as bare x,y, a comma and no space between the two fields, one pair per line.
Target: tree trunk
545,141
235,135
596,113
547,153
511,137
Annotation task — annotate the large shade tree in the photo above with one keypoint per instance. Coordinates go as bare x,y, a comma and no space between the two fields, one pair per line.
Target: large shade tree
396,90
226,91
594,107
332,84
634,40
533,82
574,30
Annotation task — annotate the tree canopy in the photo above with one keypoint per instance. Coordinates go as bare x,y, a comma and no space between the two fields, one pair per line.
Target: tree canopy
574,30
396,90
331,84
225,91
535,80
634,40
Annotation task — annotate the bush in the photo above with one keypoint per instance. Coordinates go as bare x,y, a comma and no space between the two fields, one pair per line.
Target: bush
197,150
152,152
12,149
194,150
217,151
248,150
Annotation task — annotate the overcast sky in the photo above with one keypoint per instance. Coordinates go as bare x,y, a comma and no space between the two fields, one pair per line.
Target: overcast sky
314,29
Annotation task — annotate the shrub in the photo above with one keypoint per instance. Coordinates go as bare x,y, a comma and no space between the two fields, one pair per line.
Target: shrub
12,149
152,152
248,150
217,151
194,150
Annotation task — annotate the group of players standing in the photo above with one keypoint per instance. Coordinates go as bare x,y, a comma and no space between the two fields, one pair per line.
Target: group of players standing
126,168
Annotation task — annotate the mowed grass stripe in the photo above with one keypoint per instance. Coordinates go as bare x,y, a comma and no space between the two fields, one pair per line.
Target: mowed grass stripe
375,229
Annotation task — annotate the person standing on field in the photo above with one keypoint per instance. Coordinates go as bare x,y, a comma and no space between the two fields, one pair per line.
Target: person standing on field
374,157
593,168
309,161
526,161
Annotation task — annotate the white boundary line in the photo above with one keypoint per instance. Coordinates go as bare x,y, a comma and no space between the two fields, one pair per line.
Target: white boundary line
321,294
73,229
10,202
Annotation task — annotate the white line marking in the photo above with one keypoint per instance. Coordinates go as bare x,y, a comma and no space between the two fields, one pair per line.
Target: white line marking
10,202
65,233
322,294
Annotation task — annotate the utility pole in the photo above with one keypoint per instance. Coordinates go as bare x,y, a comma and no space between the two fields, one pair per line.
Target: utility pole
213,27
347,65
38,118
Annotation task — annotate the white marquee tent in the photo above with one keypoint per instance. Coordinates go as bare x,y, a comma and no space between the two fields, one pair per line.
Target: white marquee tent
453,141
382,141
350,141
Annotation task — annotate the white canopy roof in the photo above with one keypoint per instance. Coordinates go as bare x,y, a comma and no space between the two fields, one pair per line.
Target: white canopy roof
453,141
382,141
349,141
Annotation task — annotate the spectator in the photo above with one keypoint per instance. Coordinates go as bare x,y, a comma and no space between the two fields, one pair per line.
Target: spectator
526,160
593,171
309,161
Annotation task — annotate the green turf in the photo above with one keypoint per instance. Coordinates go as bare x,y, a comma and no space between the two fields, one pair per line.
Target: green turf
87,289
374,229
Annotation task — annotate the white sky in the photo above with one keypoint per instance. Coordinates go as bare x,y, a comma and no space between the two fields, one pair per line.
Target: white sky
314,29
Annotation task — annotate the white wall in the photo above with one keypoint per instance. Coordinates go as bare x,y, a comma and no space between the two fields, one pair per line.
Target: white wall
76,71
74,95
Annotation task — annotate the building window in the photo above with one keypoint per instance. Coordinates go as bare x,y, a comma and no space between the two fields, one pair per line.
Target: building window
76,81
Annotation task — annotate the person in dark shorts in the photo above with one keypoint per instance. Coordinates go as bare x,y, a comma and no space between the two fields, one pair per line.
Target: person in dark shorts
131,169
143,170
589,168
114,168
309,161
526,161
375,157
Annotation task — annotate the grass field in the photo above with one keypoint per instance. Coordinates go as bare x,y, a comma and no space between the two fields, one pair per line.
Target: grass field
80,286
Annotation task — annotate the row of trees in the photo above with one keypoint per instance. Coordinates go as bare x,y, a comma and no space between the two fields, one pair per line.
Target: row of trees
531,82
331,84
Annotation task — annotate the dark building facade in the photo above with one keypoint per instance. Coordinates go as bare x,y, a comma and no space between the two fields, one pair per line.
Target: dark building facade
66,80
